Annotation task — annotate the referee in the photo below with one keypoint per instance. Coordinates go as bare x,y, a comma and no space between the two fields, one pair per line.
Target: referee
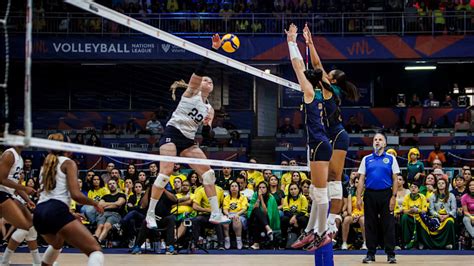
378,172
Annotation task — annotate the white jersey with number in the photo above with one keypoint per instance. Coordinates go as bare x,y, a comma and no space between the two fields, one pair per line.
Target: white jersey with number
189,115
61,191
15,171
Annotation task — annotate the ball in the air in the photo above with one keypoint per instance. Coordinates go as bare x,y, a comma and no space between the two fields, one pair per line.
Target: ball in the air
230,43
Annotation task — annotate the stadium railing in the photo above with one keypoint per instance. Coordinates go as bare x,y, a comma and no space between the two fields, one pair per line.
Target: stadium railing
353,23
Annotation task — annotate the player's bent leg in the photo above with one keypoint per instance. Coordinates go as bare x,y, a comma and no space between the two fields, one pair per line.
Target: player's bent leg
12,213
78,236
208,180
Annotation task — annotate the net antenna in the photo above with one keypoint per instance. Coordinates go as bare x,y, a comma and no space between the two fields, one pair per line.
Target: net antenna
27,88
28,48
4,85
137,25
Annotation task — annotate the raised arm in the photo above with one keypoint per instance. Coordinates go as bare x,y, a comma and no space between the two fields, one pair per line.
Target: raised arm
195,81
315,60
298,64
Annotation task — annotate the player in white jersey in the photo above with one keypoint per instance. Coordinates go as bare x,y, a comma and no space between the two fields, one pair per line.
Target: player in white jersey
11,167
178,139
52,217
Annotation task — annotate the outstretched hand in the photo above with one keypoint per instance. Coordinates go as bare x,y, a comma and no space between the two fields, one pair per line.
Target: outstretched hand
291,33
216,41
307,34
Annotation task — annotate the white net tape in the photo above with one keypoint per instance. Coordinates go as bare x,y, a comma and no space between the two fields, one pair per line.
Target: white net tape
137,25
13,140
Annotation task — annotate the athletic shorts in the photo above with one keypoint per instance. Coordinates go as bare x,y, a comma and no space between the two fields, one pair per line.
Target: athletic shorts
51,216
109,217
340,141
4,196
173,135
320,151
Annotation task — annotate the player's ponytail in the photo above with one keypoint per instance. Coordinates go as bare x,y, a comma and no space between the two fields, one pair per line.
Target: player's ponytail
180,84
50,164
349,89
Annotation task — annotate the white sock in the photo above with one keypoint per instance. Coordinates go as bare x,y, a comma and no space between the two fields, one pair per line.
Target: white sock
238,238
332,218
227,238
321,214
322,202
36,256
96,258
312,218
214,204
7,255
152,206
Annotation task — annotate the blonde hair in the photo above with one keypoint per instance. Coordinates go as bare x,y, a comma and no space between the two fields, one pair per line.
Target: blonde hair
413,151
181,84
50,164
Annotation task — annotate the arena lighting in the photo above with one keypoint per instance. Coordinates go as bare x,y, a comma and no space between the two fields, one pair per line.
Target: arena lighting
409,68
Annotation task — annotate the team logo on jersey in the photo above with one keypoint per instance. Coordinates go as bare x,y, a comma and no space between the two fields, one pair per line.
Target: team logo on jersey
168,140
293,209
386,160
233,206
320,106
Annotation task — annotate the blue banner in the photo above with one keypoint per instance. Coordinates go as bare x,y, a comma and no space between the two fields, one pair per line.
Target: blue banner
254,48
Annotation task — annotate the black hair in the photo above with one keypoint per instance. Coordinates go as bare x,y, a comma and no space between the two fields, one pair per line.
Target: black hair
349,89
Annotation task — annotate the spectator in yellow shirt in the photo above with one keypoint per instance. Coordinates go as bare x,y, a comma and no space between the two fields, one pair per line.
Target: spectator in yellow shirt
414,204
96,193
295,209
354,215
184,208
176,173
254,177
235,206
287,177
202,206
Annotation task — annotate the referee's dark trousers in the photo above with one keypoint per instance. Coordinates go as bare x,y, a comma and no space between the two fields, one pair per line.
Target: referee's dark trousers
377,202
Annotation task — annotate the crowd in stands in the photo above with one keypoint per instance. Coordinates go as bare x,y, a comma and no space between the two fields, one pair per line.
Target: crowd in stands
276,6
421,15
268,208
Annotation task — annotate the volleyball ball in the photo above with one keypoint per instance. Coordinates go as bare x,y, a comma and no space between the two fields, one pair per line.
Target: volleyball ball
230,43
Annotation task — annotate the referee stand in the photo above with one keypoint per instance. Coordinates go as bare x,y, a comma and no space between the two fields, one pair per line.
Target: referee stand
324,256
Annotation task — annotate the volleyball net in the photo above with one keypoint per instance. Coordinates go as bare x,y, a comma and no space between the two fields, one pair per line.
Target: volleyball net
111,15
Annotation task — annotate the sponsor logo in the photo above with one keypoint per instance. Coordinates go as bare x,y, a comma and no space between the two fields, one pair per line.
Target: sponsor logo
103,48
166,47
171,48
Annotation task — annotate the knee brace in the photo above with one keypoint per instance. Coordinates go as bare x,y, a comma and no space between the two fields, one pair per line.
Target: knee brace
32,234
19,235
50,255
335,190
320,195
161,181
209,177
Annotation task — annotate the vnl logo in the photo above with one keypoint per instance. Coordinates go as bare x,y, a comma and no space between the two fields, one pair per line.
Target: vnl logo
166,47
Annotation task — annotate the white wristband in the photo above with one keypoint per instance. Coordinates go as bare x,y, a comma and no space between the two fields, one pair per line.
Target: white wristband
294,51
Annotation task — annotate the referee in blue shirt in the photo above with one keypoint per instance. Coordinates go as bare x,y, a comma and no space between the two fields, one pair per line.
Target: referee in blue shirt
378,173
